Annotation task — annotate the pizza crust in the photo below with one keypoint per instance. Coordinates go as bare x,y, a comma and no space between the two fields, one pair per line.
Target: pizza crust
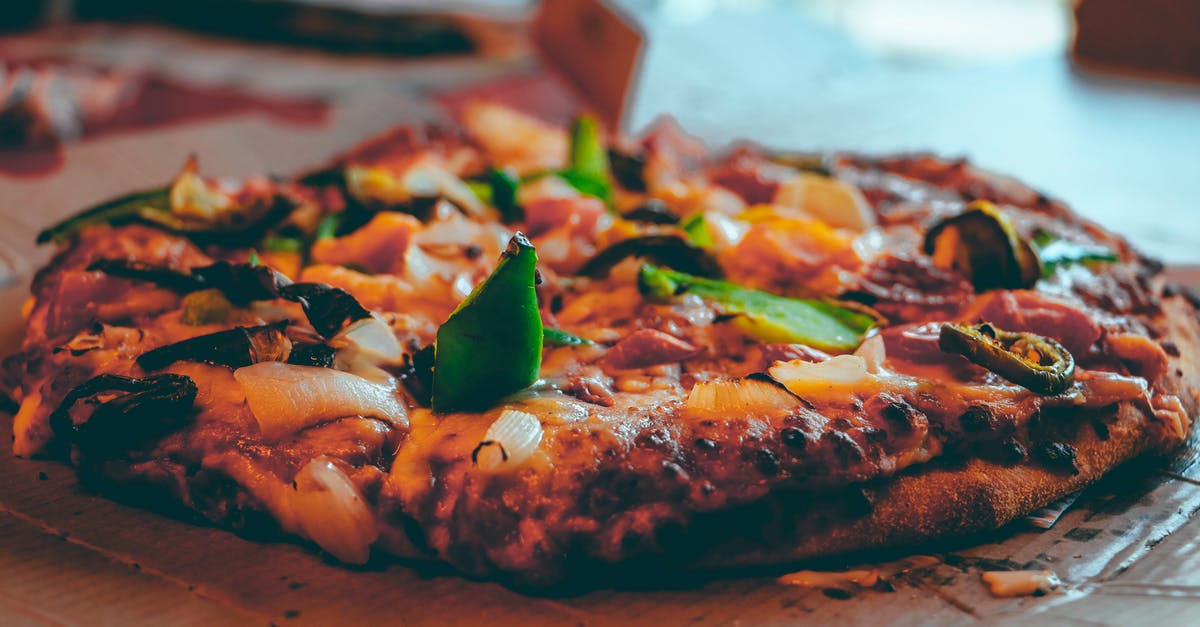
939,502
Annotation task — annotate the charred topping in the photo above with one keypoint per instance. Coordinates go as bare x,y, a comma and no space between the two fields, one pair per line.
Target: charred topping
1012,452
131,412
312,354
329,309
653,211
417,374
671,251
628,169
242,283
1036,363
161,276
815,163
233,348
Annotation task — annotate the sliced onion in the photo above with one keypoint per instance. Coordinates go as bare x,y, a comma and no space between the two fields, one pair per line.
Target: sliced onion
365,345
874,353
30,432
832,201
1012,583
286,398
192,197
804,377
726,231
329,510
509,442
733,398
421,179
549,186
372,338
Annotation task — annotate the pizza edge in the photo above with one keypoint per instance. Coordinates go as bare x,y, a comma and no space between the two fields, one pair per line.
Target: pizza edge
938,502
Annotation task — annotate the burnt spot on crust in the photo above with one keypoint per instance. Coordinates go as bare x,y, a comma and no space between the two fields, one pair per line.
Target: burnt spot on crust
674,471
1057,456
594,390
659,438
844,447
1008,452
977,419
873,435
900,414
793,438
766,462
860,501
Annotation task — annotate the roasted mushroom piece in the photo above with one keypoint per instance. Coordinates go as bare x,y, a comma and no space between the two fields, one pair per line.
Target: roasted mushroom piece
234,348
131,412
671,251
983,244
329,309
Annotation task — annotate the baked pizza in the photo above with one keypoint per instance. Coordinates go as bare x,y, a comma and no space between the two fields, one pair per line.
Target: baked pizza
537,354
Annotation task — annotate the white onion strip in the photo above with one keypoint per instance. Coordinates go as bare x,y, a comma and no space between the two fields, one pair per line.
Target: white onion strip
286,398
509,442
330,511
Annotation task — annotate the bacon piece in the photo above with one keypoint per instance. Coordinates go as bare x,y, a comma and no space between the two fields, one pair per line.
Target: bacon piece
648,347
750,176
917,343
582,213
1025,311
790,352
911,289
671,154
379,246
80,298
1143,356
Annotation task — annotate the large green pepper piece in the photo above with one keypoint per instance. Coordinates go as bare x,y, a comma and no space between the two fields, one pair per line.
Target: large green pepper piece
491,345
766,316
121,209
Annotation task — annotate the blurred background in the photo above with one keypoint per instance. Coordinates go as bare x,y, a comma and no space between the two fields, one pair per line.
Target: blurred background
1096,102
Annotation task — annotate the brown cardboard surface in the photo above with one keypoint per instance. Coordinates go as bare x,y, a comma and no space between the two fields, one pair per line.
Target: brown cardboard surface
592,47
84,559
1126,549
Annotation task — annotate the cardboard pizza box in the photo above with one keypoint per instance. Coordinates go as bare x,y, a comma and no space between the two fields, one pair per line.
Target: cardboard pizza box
1126,548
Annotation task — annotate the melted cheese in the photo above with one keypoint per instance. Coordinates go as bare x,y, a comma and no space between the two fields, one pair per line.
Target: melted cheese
820,579
1014,583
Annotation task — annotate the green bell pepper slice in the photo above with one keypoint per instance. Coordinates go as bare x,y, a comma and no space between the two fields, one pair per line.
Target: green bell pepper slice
768,317
1058,253
491,345
147,205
